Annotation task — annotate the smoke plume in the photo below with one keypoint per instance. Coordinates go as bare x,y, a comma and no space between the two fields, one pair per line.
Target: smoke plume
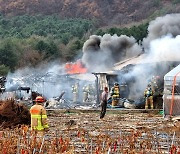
165,49
50,80
101,53
162,53
42,79
162,26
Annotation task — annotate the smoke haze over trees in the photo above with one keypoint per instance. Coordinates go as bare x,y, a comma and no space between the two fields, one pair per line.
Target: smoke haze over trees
38,32
119,30
101,53
33,40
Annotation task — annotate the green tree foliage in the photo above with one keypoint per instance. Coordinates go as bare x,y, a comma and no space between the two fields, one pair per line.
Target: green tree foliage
50,49
100,32
156,3
138,32
29,40
4,70
8,56
176,1
72,50
26,26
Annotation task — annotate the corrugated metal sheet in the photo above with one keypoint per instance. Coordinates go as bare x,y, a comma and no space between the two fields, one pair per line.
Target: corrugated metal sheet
168,92
134,60
141,59
167,105
170,75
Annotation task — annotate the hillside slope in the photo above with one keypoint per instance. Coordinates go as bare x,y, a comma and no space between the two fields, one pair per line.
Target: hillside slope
107,12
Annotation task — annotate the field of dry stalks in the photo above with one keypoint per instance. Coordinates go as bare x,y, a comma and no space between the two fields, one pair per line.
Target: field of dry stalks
126,133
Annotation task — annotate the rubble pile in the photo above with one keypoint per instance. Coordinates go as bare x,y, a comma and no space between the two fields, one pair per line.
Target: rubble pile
86,133
12,114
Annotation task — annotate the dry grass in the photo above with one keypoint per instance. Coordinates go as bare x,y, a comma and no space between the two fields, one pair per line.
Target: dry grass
86,133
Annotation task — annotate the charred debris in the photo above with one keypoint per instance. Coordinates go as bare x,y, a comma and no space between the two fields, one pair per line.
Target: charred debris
133,84
131,89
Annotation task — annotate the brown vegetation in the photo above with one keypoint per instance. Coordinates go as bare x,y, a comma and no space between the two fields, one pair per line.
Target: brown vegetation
85,133
107,12
12,114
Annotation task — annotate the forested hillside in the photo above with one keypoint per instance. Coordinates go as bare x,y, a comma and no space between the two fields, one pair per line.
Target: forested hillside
25,26
106,12
33,32
30,40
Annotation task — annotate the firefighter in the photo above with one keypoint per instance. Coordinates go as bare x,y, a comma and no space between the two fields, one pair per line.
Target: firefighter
154,85
148,94
91,92
85,93
115,94
39,122
75,92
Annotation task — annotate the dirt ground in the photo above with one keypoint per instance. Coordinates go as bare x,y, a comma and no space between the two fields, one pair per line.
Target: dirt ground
84,132
118,132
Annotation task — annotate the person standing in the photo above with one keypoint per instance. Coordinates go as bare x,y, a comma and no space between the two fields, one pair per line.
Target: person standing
39,122
75,92
148,94
104,99
115,94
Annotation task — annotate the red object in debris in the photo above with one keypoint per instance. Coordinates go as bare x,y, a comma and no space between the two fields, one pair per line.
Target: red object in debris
75,68
82,139
97,150
4,151
22,151
173,149
115,146
1,135
78,134
64,147
61,140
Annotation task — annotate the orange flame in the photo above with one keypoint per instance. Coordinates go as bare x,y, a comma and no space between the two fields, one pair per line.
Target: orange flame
75,68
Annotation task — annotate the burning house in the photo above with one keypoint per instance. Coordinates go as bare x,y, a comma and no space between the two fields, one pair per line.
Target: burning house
136,65
111,59
52,83
133,75
136,73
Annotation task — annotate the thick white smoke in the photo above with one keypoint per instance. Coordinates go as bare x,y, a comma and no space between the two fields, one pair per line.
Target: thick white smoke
162,26
50,80
100,53
162,53
162,49
165,49
42,79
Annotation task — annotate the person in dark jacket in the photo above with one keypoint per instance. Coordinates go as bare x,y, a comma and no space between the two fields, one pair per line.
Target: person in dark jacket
104,99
